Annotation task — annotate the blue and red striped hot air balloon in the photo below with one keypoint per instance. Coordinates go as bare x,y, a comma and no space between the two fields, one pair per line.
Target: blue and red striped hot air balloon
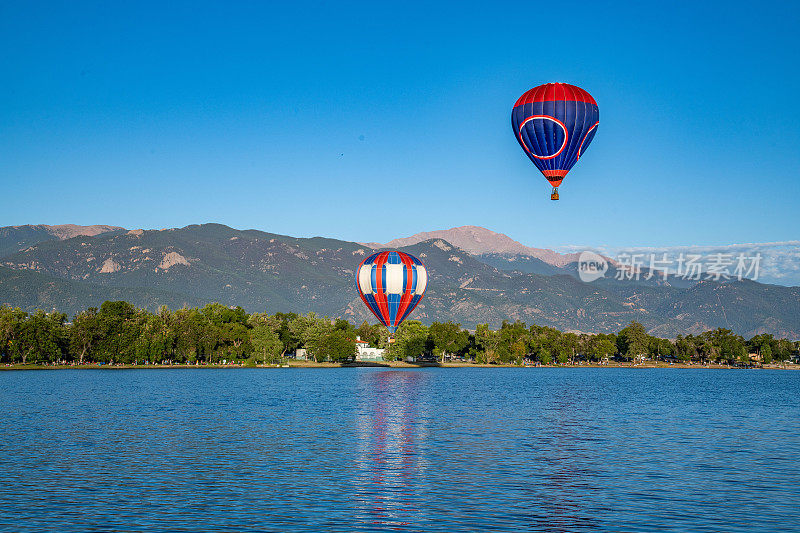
391,285
555,123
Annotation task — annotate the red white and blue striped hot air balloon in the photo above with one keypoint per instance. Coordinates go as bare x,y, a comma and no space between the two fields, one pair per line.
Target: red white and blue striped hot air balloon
555,123
391,285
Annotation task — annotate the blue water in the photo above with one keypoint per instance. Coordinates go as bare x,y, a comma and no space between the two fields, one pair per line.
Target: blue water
388,450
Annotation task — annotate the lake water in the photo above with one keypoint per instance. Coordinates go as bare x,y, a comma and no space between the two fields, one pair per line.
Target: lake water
366,449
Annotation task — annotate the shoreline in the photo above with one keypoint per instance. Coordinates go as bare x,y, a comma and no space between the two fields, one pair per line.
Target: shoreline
388,365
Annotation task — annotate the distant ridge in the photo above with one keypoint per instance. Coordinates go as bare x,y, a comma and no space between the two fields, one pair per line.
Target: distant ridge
477,241
67,231
17,238
779,261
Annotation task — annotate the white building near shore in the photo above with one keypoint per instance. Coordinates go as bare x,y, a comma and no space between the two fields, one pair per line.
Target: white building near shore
366,353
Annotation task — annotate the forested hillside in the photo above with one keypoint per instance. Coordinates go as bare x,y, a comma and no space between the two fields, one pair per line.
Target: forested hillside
265,272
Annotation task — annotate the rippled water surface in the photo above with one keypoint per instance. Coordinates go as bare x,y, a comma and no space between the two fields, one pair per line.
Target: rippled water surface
367,449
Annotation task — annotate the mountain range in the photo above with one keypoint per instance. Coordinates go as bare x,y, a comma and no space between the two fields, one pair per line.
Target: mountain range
15,238
476,276
481,241
779,262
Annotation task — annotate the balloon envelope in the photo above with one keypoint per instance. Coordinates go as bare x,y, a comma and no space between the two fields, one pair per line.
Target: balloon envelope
555,124
391,284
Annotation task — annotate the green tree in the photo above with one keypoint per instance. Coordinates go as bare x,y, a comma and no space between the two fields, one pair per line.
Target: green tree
265,337
43,337
569,343
156,342
706,349
310,329
511,333
335,345
448,338
119,326
727,346
766,353
486,342
290,342
518,351
343,325
742,357
603,346
684,348
369,333
225,333
188,327
410,340
659,348
12,321
783,350
633,340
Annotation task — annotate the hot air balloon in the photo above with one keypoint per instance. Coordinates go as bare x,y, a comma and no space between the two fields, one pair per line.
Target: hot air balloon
555,124
391,285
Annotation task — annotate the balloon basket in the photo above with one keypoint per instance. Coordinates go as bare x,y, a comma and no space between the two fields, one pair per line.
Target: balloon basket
554,194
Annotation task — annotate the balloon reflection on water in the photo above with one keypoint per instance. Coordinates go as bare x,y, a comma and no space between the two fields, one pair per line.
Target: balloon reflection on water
391,437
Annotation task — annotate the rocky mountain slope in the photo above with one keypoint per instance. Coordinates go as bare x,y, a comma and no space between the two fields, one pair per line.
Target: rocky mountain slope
15,238
477,241
779,262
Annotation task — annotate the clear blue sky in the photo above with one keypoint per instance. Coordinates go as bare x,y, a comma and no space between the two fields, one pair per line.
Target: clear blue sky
373,120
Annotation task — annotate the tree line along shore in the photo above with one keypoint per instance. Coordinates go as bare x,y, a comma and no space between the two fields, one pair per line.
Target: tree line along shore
120,333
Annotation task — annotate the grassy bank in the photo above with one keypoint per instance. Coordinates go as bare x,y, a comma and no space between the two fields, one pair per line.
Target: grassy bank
385,364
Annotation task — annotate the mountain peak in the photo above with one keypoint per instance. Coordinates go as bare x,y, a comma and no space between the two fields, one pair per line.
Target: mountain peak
478,240
16,238
68,231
